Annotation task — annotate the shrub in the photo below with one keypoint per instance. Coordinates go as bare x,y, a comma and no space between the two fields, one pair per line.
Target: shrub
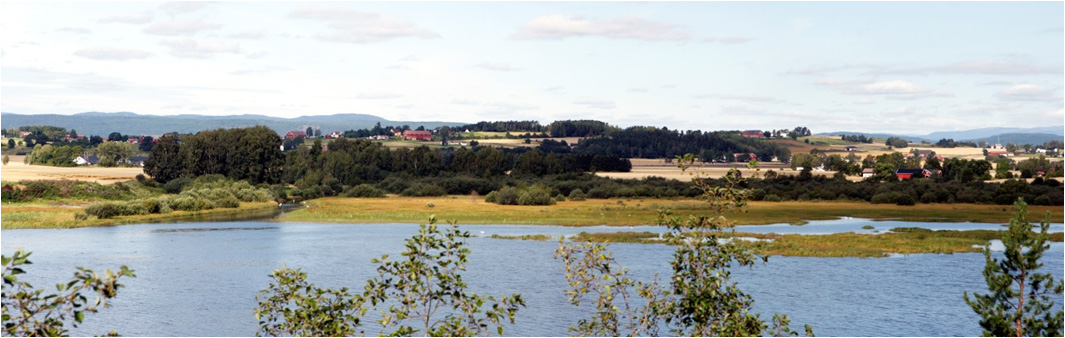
577,195
535,197
176,185
424,190
364,190
772,198
504,196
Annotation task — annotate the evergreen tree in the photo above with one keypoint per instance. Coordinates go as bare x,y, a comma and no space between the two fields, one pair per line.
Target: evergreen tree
1021,302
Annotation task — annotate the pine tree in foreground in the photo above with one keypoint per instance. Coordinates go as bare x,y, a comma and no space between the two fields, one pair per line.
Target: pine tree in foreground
1021,302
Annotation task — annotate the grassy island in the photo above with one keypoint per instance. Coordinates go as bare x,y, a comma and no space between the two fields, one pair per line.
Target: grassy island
624,212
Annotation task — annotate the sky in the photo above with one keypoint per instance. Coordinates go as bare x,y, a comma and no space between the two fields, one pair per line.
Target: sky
901,67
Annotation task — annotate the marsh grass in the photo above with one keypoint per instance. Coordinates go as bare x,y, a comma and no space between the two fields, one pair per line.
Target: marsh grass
618,237
899,241
608,212
536,237
43,215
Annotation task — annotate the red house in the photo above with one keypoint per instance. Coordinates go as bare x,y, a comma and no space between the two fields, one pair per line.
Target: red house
905,174
420,135
295,134
753,133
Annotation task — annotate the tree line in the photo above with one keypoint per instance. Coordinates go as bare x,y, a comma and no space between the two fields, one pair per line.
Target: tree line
653,142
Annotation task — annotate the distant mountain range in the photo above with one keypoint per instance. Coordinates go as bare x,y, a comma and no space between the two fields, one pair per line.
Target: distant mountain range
1037,135
95,123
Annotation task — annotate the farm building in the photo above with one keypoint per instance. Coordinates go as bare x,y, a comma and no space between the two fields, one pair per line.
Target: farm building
295,134
334,135
420,135
868,172
86,160
850,148
753,133
745,157
905,174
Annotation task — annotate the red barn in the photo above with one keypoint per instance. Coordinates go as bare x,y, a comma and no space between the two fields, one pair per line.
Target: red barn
420,135
905,174
753,133
295,134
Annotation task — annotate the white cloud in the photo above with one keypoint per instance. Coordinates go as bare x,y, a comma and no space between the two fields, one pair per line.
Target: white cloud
637,90
180,28
598,104
249,35
990,67
744,98
1028,92
497,66
894,89
358,27
378,96
135,19
76,30
864,100
560,26
181,7
190,48
729,40
111,53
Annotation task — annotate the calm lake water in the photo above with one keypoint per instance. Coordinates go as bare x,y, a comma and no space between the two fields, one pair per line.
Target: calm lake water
200,279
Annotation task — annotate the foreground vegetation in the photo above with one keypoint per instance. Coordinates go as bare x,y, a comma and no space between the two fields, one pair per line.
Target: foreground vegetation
474,210
69,204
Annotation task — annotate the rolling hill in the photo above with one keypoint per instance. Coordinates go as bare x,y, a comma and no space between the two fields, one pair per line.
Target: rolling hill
1037,135
96,123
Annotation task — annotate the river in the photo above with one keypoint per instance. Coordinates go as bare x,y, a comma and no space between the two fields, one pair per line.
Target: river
200,279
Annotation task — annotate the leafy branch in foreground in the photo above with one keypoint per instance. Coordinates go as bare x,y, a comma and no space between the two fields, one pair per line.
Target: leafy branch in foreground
700,299
424,294
1021,302
29,312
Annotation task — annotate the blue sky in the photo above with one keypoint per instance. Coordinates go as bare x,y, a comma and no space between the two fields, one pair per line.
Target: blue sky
904,67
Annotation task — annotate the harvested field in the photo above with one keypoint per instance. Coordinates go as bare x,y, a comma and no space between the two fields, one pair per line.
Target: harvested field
18,170
642,168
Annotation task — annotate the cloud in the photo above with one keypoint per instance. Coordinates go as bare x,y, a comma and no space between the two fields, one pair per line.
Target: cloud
378,96
560,26
358,27
987,67
76,30
1028,92
180,28
744,98
729,40
190,48
182,7
248,35
553,89
637,90
864,100
466,102
135,19
598,104
501,67
111,53
409,58
829,68
895,89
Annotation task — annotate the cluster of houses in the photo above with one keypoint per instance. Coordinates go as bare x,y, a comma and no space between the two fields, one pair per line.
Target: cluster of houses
93,160
415,135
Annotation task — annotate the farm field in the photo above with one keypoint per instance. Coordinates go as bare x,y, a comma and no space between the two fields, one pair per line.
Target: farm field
642,168
18,170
